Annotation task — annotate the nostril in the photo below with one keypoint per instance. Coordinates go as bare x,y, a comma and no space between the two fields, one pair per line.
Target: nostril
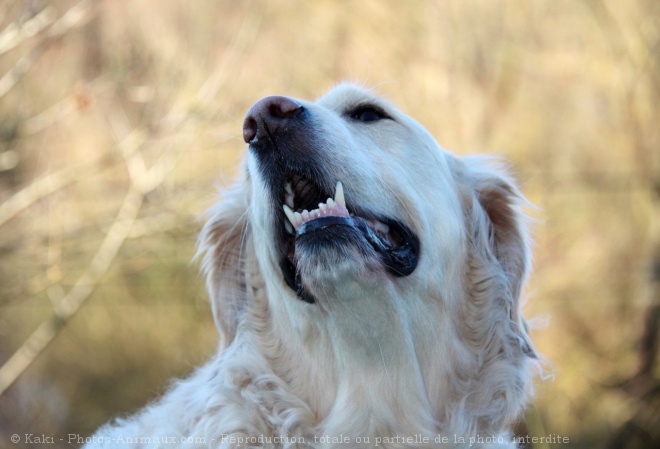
284,108
275,111
249,129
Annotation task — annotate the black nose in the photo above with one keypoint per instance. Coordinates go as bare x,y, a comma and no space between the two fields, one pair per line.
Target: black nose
269,115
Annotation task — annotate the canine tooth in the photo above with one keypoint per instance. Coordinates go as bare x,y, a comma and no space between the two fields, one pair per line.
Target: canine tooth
288,188
288,227
339,194
289,200
290,214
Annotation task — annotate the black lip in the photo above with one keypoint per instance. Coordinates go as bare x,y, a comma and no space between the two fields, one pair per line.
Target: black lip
400,259
323,223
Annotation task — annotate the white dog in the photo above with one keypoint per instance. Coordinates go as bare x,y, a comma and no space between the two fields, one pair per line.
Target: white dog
366,285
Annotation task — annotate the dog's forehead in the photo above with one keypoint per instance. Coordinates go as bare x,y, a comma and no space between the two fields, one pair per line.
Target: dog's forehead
346,95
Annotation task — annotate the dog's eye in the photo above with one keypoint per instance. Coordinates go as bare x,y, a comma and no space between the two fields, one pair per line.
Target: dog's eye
367,114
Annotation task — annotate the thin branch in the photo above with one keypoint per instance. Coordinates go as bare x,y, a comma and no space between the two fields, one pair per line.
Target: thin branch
70,304
14,35
42,187
10,78
142,182
75,17
51,183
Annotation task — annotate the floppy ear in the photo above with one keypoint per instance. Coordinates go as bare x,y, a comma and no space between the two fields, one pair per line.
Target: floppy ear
223,245
492,324
500,241
508,238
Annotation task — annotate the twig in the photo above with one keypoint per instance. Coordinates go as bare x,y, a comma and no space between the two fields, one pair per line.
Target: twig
10,78
42,187
142,182
14,35
51,183
75,17
70,304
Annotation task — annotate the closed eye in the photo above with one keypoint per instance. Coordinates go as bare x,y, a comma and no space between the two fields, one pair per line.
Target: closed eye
367,113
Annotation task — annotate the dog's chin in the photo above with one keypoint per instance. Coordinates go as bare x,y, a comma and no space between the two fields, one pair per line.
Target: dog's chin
331,261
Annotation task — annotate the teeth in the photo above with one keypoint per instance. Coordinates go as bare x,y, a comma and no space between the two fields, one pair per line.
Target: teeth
336,206
290,214
339,194
288,196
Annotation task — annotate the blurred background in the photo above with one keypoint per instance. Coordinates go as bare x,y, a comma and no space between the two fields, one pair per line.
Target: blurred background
120,120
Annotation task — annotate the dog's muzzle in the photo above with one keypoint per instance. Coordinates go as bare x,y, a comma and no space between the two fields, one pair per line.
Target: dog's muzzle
309,201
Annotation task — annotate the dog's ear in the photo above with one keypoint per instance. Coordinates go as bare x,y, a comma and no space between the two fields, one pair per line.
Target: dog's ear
223,246
500,241
499,257
508,236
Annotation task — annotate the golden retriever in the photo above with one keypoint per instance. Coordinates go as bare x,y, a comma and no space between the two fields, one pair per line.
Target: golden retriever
366,285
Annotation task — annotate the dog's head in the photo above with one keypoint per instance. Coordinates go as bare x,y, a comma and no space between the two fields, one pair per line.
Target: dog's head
351,214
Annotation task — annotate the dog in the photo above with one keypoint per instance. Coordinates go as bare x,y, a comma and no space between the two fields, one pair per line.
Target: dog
366,285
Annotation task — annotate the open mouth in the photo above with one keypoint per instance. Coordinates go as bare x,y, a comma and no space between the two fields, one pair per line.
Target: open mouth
311,212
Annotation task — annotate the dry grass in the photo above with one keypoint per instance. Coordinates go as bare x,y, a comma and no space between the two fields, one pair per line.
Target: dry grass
89,103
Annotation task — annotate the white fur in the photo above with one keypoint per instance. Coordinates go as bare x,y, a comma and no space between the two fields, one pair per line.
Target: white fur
440,354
